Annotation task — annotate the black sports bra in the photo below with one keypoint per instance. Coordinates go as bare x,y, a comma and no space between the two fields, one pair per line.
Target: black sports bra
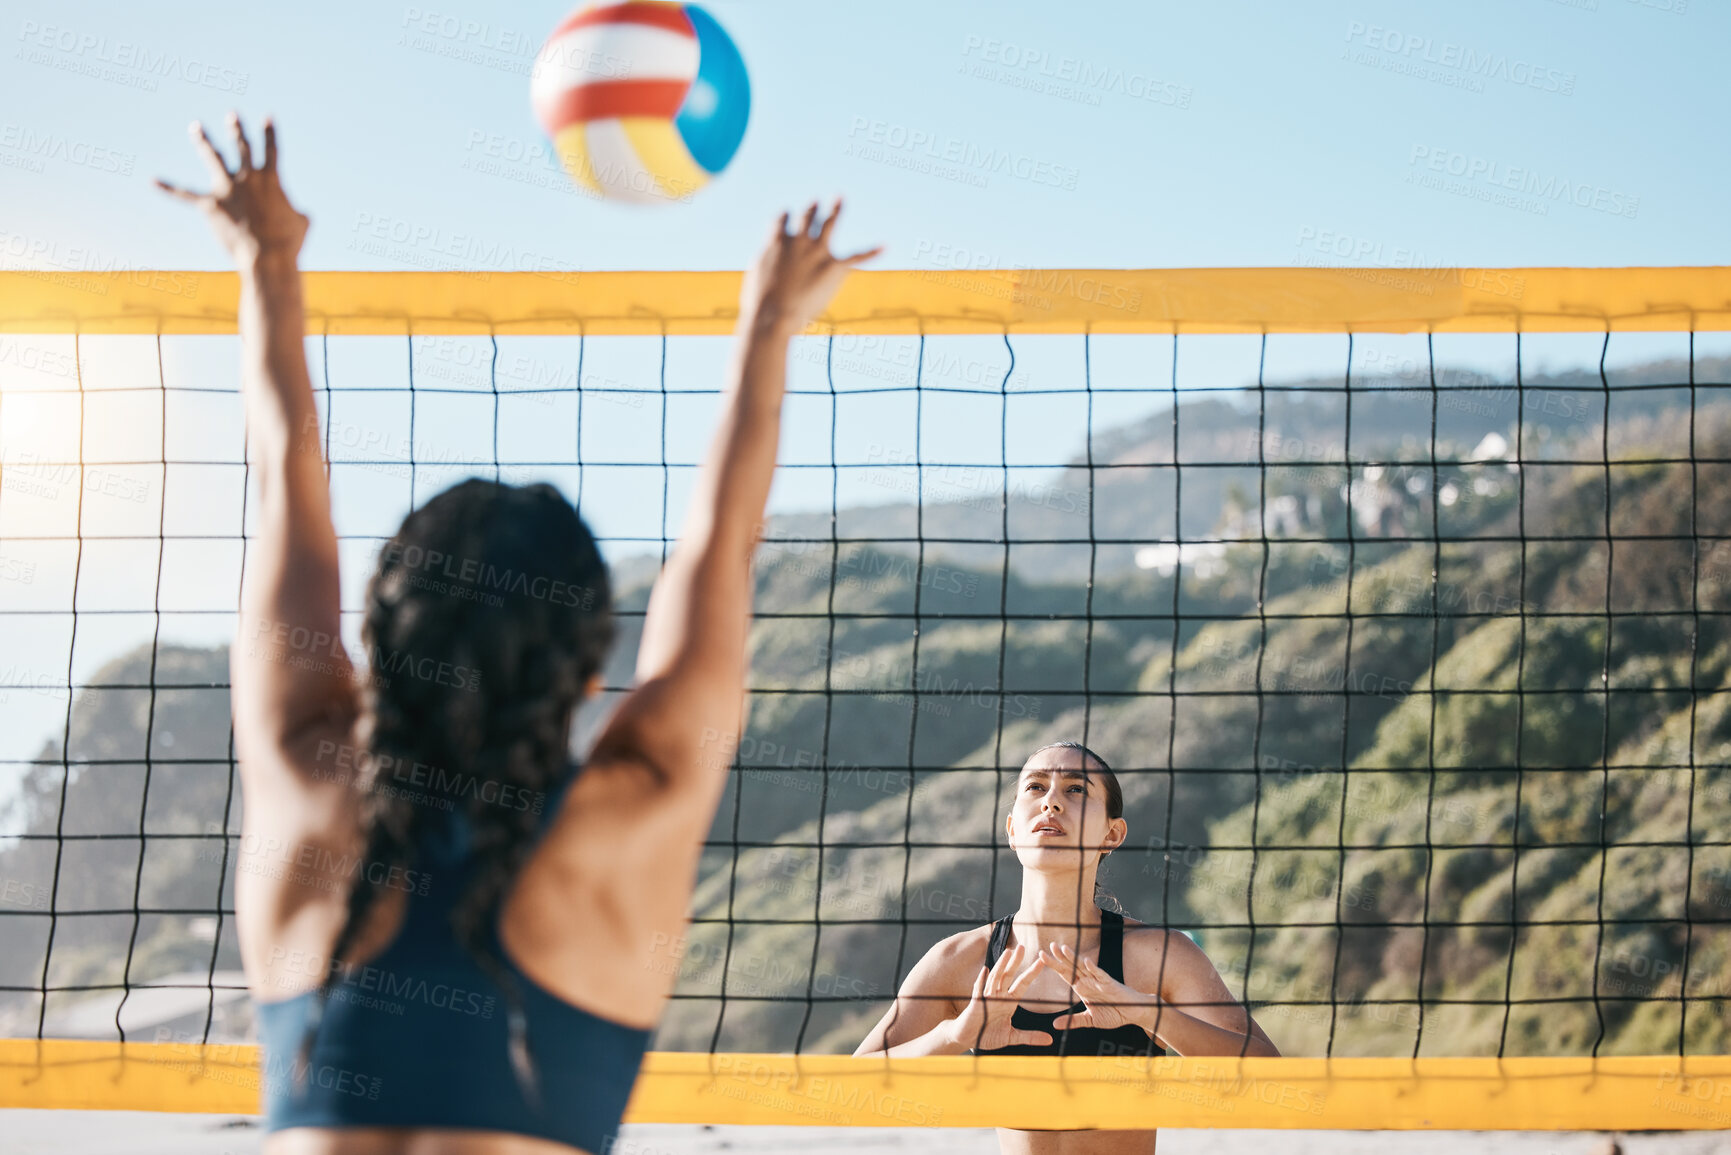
1125,1040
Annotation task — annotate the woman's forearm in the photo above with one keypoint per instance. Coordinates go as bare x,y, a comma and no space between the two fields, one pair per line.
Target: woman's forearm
732,487
295,575
1185,1034
940,1040
282,420
683,717
711,563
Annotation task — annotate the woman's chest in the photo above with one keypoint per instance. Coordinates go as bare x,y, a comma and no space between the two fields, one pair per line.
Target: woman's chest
1048,992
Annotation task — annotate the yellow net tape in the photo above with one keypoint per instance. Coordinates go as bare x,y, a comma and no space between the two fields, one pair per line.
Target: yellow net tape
1620,1094
1279,300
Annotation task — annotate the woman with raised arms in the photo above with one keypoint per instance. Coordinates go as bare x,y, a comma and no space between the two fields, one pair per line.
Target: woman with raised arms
437,970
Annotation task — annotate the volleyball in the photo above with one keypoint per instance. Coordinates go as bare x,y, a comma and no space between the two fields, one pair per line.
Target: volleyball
644,101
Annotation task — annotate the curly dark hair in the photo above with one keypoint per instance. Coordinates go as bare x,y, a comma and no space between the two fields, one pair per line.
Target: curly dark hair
499,598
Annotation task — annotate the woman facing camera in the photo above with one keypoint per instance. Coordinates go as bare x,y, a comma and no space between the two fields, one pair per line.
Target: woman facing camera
1061,975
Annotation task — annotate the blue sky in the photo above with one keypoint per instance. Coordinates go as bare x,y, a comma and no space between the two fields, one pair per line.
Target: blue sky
1520,132
1228,133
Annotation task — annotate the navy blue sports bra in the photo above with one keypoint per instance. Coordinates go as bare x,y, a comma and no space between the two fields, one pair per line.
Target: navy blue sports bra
1125,1040
418,1038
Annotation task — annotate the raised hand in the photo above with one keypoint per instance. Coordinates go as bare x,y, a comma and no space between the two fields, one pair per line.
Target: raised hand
984,1023
796,276
246,208
1109,1002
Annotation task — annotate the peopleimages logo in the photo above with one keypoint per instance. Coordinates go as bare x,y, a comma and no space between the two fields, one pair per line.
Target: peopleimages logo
1406,52
85,269
37,146
1426,159
124,61
1325,248
881,140
1067,77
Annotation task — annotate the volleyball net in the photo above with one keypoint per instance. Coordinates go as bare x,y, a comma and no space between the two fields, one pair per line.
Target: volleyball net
1398,600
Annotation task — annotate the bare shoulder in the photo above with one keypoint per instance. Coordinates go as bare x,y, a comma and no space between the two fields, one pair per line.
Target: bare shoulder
1143,938
946,972
965,948
624,843
603,898
952,962
622,814
1163,956
937,986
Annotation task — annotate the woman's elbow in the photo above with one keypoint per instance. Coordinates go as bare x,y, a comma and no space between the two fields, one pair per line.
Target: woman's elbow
1262,1047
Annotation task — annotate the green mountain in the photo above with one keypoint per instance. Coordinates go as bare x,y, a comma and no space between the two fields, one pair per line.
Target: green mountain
135,766
1298,429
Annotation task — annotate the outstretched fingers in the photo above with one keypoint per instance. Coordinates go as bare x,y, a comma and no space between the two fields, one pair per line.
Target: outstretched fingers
829,223
1092,980
862,255
1007,981
269,145
992,976
1021,981
823,238
179,193
1088,980
999,979
796,276
243,149
1079,1019
1065,961
220,177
